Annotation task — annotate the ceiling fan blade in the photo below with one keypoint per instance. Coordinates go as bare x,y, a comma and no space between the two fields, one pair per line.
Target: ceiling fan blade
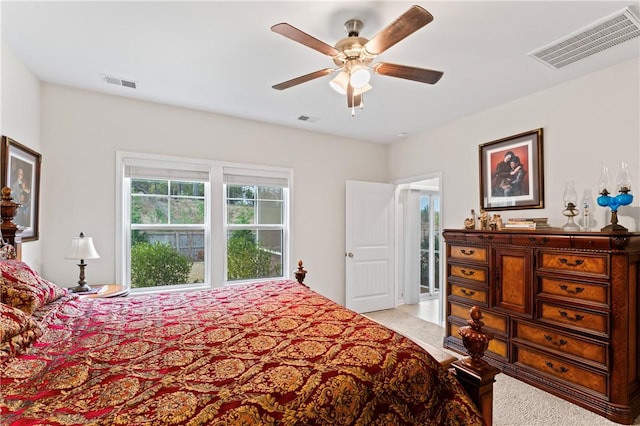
301,37
303,79
408,23
421,75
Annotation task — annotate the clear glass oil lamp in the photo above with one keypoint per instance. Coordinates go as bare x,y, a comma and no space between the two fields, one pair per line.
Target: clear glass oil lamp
570,198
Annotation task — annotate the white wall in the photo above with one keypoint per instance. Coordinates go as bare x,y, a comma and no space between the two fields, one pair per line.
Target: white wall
81,131
588,122
20,119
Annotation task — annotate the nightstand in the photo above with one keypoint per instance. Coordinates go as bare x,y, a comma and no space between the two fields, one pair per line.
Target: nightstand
106,290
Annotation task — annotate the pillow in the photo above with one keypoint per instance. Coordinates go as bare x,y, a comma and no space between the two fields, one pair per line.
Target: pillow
7,251
17,331
24,289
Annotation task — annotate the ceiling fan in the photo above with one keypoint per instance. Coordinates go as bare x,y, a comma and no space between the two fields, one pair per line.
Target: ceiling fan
354,56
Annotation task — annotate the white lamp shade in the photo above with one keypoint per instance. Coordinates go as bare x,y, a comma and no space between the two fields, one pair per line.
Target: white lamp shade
339,84
360,76
82,248
360,91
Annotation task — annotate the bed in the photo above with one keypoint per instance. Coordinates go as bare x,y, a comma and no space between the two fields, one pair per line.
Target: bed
265,353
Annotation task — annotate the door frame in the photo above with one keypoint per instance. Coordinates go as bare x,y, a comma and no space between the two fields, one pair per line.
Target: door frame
400,185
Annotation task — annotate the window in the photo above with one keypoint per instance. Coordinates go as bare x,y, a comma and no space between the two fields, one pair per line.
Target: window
429,244
187,224
256,224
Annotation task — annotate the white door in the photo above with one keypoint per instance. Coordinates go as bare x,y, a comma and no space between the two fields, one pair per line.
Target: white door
369,246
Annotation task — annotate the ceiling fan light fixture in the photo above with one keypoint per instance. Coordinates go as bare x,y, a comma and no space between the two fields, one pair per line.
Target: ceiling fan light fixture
340,82
360,76
361,90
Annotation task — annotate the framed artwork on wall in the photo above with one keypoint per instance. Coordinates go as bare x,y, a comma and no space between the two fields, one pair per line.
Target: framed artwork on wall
511,172
21,172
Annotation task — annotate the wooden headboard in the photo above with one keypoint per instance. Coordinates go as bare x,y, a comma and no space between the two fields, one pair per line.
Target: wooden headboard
10,231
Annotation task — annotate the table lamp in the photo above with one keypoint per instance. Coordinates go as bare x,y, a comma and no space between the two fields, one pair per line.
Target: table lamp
82,248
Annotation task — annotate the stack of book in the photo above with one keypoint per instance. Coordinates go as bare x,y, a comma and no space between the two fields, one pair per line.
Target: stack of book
527,223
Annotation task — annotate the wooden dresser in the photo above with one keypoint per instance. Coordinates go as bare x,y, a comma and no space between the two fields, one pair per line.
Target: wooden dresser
562,308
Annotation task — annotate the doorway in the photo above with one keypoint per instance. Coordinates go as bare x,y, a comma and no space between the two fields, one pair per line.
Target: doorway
419,246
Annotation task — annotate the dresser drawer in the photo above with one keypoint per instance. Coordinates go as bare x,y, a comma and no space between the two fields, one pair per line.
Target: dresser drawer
469,273
494,322
471,294
472,253
562,369
485,237
576,290
590,351
577,319
590,242
540,241
497,347
583,264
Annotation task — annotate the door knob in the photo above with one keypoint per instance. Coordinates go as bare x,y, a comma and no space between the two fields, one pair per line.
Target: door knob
349,254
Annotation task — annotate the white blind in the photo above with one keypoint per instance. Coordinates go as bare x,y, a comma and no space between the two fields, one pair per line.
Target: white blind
271,178
187,172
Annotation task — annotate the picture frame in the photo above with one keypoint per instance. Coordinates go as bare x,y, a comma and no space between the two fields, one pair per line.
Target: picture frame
21,172
507,185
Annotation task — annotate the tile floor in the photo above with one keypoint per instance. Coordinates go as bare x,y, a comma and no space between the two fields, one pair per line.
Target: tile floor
427,310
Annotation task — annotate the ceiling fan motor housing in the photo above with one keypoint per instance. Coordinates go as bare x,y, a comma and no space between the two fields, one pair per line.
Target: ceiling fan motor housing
351,48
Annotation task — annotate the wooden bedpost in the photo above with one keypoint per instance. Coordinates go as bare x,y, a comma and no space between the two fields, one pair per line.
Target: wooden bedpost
474,373
10,231
300,273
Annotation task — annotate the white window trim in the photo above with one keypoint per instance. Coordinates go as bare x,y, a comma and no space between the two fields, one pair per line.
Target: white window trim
215,231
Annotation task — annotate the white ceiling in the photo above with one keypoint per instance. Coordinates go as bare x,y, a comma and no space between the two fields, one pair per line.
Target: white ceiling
222,57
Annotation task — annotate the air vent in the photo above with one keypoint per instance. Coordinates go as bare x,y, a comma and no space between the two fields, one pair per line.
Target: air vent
608,32
121,82
308,119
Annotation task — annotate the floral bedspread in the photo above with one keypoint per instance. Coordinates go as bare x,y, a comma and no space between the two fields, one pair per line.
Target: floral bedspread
273,353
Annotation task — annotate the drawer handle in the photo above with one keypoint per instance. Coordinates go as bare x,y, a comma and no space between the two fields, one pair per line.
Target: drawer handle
566,316
542,241
467,292
560,342
574,292
561,369
488,237
467,273
578,262
468,253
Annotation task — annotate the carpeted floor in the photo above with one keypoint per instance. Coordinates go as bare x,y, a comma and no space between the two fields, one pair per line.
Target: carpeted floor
515,403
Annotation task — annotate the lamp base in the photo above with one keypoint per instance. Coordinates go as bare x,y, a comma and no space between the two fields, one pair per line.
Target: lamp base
613,226
570,226
80,288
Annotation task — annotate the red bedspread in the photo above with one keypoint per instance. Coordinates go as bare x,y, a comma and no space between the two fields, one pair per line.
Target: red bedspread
262,354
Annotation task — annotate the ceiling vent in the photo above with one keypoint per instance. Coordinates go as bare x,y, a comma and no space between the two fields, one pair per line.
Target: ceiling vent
308,118
121,82
600,35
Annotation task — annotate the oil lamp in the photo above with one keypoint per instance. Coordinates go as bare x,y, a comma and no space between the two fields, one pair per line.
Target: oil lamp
623,198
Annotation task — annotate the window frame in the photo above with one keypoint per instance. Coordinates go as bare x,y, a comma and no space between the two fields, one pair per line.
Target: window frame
215,218
284,226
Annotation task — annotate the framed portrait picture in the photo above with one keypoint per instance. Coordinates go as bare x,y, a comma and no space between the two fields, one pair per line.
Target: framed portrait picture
511,175
21,172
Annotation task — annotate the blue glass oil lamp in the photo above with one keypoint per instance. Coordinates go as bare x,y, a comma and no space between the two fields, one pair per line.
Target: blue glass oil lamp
624,198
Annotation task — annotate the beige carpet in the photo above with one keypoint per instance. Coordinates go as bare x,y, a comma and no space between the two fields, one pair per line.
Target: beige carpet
515,403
